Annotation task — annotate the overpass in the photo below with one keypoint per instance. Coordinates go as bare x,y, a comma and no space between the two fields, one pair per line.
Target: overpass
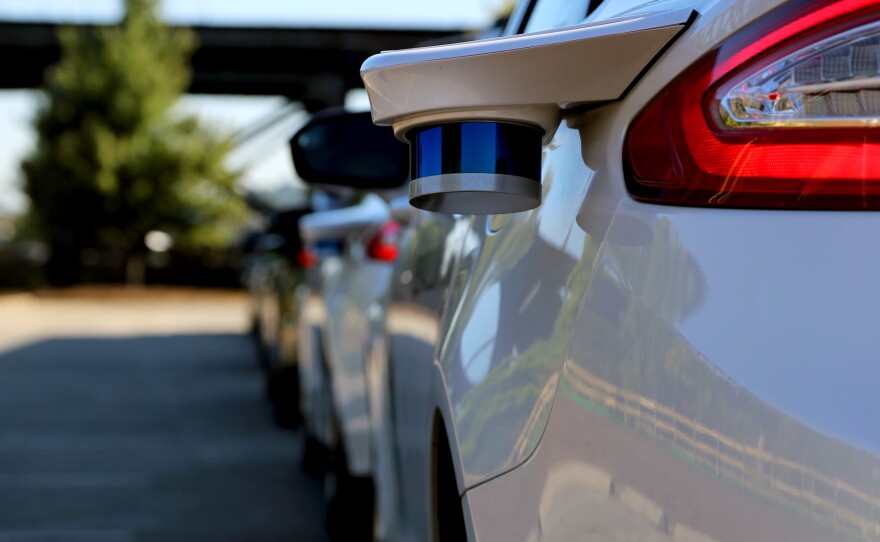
315,66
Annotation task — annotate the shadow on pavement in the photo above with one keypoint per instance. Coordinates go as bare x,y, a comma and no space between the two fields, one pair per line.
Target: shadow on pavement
147,438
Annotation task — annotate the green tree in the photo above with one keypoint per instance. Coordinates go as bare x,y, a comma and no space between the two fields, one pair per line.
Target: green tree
113,160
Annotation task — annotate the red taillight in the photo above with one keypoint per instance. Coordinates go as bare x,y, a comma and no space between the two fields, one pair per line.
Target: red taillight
785,114
383,246
307,259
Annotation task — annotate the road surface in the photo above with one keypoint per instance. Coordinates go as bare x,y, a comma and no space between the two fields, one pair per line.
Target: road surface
142,419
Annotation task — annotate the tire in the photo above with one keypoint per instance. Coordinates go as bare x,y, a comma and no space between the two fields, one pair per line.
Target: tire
315,456
264,356
350,502
282,389
449,515
254,328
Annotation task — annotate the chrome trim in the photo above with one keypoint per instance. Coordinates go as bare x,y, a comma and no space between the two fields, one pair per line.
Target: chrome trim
475,193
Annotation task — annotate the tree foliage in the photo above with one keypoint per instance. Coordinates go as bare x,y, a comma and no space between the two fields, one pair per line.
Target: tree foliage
113,160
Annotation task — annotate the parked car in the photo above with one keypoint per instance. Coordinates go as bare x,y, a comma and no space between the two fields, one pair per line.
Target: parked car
273,269
342,290
651,318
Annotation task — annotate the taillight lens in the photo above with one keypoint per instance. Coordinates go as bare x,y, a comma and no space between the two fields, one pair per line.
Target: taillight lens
383,246
307,258
785,114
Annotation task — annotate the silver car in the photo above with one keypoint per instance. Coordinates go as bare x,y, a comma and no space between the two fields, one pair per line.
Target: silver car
273,268
344,152
651,316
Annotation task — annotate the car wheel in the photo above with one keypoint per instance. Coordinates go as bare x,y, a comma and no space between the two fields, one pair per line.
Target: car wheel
315,456
349,501
282,389
254,327
449,516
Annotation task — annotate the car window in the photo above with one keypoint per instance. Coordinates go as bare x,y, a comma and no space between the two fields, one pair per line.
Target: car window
549,14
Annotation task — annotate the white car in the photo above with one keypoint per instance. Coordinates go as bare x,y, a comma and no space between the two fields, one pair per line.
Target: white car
343,290
271,273
654,315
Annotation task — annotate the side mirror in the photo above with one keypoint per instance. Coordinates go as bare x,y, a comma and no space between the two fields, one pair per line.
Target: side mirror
341,148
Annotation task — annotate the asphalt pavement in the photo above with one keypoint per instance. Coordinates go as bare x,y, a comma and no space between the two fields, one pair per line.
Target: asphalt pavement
142,420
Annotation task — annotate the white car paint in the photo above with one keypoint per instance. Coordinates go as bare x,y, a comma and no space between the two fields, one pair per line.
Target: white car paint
654,373
333,327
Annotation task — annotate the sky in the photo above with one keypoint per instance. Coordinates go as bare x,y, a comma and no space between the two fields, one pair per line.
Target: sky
267,158
351,13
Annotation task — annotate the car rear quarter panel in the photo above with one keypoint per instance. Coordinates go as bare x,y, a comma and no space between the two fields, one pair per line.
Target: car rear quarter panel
721,376
513,301
362,285
518,286
721,383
